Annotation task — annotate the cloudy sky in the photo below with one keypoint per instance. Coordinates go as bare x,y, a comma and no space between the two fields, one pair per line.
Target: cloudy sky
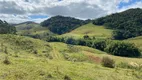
16,11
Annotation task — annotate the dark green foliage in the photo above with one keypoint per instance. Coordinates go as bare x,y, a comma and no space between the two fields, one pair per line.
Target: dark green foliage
112,47
123,49
5,28
127,24
108,62
67,77
99,44
6,61
86,37
60,24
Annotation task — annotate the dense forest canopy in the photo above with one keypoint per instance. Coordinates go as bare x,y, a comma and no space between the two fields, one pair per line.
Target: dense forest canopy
126,24
60,24
6,28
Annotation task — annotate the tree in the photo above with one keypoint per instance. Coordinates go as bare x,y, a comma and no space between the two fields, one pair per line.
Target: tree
6,28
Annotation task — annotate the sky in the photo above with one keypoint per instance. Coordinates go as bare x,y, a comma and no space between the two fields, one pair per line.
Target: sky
17,11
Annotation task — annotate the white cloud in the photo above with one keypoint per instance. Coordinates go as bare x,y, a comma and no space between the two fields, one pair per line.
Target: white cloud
84,9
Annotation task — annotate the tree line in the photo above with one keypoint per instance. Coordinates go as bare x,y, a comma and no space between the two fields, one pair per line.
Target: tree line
126,24
117,48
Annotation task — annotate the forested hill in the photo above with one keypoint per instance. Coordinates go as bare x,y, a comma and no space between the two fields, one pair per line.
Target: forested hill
60,24
6,28
127,24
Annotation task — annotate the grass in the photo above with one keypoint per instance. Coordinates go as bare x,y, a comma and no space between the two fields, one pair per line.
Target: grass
26,65
91,30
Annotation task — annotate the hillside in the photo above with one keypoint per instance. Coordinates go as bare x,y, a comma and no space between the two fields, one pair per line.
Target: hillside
90,30
33,30
33,59
126,24
61,24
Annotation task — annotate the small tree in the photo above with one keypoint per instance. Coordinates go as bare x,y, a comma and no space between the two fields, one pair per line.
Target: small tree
86,37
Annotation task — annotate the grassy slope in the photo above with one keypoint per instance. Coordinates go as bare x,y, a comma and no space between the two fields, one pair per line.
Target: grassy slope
137,41
27,65
32,29
91,30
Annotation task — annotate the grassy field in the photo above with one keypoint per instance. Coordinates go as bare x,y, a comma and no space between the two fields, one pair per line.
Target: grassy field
91,30
33,59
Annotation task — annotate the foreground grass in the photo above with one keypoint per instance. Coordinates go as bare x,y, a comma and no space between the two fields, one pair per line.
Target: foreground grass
40,68
54,61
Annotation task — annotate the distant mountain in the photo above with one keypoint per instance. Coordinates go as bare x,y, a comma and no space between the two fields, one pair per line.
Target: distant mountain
27,22
127,24
61,24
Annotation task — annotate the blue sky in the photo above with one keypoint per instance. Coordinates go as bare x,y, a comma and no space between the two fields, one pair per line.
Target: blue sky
124,4
17,11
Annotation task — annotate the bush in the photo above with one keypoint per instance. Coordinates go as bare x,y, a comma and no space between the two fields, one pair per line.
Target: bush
67,77
6,61
100,44
108,62
123,49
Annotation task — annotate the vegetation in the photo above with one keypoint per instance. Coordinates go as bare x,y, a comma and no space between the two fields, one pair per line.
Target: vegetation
113,47
126,24
60,24
83,61
6,28
108,62
123,49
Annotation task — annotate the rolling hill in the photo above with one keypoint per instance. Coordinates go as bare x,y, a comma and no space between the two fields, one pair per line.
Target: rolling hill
61,24
33,59
22,57
90,30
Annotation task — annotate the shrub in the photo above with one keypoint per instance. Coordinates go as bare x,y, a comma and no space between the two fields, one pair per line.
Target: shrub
123,49
67,77
6,61
108,62
86,37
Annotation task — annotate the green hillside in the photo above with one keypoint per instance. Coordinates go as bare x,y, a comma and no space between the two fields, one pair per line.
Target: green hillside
33,30
90,30
61,24
24,58
127,24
